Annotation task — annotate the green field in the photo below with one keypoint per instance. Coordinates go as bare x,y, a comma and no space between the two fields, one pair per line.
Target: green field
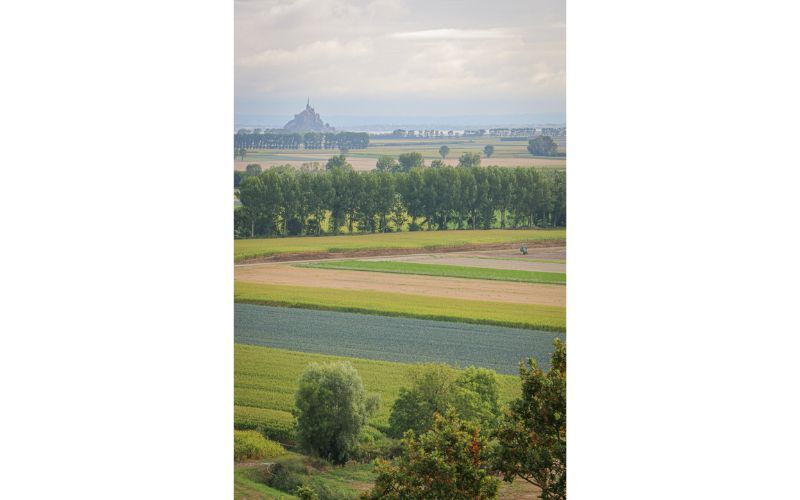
265,381
534,316
422,240
481,273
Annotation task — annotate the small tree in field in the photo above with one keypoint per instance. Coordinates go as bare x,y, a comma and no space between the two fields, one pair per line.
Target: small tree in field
542,146
532,435
488,150
331,407
443,151
241,153
449,461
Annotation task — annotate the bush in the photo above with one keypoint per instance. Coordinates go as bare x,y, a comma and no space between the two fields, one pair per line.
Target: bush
251,445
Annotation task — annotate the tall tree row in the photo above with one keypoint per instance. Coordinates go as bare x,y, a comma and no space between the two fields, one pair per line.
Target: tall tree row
282,201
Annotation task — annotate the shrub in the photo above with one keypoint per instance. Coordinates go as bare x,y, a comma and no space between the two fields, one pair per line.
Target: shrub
251,445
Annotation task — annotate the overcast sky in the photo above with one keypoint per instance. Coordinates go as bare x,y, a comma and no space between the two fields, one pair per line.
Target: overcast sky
400,58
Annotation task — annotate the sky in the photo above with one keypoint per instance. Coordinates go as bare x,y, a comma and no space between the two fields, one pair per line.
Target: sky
401,61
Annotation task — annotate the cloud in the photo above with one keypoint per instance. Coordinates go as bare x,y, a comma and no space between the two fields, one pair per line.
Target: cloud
426,54
453,34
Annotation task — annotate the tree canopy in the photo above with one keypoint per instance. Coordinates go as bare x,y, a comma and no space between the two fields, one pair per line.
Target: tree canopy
443,151
488,150
449,461
542,146
532,435
435,389
331,406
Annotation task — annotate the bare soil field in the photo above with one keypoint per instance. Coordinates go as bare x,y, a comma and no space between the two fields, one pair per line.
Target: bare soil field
469,289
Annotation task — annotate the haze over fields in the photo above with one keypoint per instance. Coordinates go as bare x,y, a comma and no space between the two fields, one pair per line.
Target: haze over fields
401,63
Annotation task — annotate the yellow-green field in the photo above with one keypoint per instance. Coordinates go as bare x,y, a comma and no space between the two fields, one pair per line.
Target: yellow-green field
265,381
422,240
534,316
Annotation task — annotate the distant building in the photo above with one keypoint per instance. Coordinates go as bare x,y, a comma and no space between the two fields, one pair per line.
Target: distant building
308,120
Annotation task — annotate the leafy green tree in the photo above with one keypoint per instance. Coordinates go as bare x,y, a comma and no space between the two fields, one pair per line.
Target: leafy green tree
331,407
450,461
443,151
532,435
241,153
542,146
338,161
410,160
438,164
468,160
253,169
437,388
386,164
488,150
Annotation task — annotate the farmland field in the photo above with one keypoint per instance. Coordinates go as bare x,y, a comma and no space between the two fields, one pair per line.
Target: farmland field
506,153
430,286
534,316
451,271
392,339
420,240
265,380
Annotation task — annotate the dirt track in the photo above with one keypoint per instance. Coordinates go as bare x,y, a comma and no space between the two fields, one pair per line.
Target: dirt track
471,289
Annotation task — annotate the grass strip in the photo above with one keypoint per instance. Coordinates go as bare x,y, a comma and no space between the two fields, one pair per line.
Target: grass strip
423,240
534,316
443,270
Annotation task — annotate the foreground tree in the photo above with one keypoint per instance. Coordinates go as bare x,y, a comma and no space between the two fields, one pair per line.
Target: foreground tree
253,169
542,146
443,151
331,408
488,150
450,461
532,435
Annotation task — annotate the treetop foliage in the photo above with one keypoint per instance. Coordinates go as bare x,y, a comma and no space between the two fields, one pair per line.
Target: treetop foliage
542,146
285,201
532,435
449,461
436,389
331,407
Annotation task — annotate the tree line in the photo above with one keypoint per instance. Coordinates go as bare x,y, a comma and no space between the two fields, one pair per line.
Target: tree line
283,201
256,139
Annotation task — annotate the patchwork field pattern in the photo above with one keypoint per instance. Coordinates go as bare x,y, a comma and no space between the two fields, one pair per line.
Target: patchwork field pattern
265,380
392,339
532,316
451,271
